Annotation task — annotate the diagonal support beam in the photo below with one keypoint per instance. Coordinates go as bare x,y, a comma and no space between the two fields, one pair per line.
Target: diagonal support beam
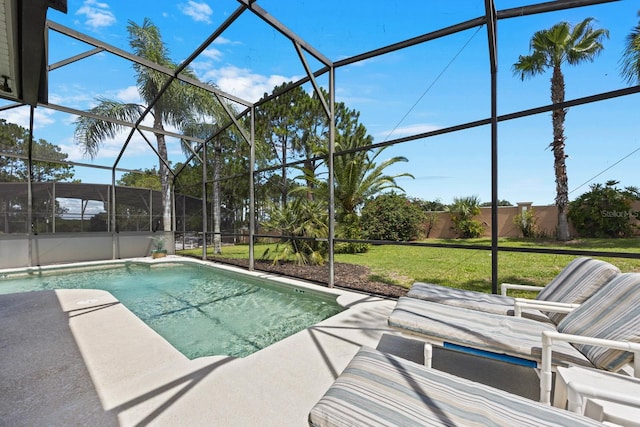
156,152
75,58
284,30
312,79
233,119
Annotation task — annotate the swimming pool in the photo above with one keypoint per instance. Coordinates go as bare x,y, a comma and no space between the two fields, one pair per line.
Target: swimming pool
200,310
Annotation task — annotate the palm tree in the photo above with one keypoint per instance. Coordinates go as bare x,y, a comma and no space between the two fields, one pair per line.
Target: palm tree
173,108
303,223
552,48
357,175
462,211
631,56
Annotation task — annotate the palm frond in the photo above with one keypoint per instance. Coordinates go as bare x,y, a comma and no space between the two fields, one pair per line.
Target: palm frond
561,43
300,218
586,42
530,65
630,62
147,43
91,132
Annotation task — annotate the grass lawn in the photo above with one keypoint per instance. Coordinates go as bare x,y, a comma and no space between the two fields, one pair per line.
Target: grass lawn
467,269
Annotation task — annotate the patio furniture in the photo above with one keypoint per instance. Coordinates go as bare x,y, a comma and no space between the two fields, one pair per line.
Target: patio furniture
571,287
604,331
378,389
604,396
612,414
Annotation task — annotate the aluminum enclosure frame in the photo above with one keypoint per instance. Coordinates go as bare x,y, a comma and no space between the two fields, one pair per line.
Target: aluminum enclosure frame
302,48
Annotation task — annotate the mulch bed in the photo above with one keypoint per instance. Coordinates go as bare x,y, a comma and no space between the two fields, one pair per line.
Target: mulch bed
348,276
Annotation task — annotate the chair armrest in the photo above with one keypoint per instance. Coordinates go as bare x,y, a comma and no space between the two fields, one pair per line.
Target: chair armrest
504,287
555,307
548,338
577,391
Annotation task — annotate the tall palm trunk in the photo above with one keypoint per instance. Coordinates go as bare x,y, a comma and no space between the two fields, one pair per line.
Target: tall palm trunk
217,216
562,183
164,174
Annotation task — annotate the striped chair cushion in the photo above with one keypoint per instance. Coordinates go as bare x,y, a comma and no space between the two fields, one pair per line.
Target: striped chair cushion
377,389
479,301
494,333
580,279
473,300
612,313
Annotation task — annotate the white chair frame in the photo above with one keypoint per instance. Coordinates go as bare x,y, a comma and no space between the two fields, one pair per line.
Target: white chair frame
549,337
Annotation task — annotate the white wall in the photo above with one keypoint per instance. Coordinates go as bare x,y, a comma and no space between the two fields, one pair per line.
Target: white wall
70,247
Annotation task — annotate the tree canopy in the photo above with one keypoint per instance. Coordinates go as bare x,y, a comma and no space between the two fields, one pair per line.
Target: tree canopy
14,140
147,178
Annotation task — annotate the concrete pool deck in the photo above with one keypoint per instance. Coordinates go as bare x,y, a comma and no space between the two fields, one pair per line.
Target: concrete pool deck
79,357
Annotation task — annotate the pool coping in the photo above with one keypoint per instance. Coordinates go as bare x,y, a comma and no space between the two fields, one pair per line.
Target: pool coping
140,378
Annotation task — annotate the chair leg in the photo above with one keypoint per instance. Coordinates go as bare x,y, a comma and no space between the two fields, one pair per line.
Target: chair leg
546,377
428,355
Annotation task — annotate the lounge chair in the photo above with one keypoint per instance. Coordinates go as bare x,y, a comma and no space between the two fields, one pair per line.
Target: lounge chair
571,287
609,319
378,389
617,396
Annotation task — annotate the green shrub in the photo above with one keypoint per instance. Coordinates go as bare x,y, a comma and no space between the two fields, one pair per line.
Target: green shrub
604,211
526,223
392,217
350,228
462,212
468,228
299,218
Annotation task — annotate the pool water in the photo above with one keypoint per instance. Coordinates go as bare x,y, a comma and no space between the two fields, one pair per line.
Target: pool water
201,311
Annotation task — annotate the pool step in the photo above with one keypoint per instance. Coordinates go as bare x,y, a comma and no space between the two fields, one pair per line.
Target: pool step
116,345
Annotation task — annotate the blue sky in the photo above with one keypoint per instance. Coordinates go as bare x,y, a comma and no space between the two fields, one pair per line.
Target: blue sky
426,87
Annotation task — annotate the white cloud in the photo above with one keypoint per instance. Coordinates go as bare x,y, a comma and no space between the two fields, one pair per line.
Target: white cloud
408,130
20,116
129,95
83,98
110,149
224,40
243,83
200,12
70,121
97,14
73,97
212,53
